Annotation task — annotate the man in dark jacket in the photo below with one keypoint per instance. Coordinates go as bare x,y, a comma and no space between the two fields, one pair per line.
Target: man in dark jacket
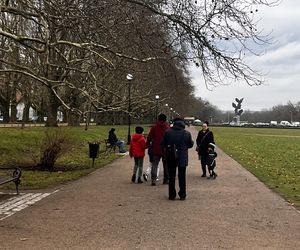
154,138
205,136
113,140
176,142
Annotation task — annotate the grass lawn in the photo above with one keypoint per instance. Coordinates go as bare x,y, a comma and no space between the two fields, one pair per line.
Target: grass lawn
20,147
273,155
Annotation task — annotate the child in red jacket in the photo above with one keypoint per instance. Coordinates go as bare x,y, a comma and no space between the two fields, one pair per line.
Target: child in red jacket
137,150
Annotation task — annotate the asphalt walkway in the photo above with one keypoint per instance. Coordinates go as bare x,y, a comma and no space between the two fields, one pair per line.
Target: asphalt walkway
104,210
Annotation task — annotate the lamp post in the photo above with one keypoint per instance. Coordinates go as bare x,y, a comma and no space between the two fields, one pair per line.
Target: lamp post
167,109
171,113
291,117
156,106
129,78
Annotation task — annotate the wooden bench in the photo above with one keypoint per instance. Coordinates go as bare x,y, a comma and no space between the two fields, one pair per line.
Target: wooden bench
109,148
15,176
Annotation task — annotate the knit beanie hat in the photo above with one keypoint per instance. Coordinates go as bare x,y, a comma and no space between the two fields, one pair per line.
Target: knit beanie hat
139,130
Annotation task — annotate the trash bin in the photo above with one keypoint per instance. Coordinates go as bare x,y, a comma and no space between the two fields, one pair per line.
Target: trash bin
94,149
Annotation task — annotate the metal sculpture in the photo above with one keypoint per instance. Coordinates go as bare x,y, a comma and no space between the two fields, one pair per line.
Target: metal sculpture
238,109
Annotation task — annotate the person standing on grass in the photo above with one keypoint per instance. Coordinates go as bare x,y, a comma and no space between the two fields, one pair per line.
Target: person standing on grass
137,150
156,133
205,136
176,142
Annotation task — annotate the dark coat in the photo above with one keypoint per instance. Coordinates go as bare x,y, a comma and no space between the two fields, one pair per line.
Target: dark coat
211,159
181,138
112,138
155,135
203,139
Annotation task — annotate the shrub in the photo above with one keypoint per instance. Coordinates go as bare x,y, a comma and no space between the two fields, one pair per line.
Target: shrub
55,143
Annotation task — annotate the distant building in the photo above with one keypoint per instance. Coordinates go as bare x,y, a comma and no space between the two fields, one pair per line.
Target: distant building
32,113
20,108
189,120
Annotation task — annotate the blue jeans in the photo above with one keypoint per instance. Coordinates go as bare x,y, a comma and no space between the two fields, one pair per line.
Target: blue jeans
121,144
155,162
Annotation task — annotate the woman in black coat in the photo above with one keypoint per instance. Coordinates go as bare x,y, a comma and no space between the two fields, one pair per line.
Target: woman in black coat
205,136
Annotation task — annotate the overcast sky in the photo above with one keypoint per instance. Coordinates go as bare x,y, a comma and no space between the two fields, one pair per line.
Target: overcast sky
281,62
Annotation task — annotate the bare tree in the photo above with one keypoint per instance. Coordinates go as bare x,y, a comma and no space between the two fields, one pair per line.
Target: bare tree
81,50
214,35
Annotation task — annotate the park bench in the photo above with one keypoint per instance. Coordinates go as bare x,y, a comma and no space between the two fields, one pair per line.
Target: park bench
7,176
109,148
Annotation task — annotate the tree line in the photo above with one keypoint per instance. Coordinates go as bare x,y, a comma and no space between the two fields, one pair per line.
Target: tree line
73,55
282,112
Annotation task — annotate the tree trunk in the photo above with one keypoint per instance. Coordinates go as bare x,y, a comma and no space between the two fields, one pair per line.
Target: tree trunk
65,116
40,111
52,110
26,112
13,112
5,111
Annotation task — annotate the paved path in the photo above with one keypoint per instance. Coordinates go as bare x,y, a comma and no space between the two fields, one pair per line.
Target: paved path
105,211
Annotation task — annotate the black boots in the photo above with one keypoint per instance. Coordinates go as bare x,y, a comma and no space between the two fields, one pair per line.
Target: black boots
214,175
153,182
134,177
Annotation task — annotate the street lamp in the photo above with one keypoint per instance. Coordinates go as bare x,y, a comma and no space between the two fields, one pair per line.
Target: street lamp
291,117
171,114
156,106
129,78
167,109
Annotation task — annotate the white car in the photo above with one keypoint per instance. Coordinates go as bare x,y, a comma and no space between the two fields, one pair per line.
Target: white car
285,124
197,122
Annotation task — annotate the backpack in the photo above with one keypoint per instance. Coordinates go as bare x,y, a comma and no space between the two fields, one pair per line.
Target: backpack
171,152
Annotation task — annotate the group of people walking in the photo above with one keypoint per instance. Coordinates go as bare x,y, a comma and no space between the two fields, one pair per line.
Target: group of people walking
170,144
